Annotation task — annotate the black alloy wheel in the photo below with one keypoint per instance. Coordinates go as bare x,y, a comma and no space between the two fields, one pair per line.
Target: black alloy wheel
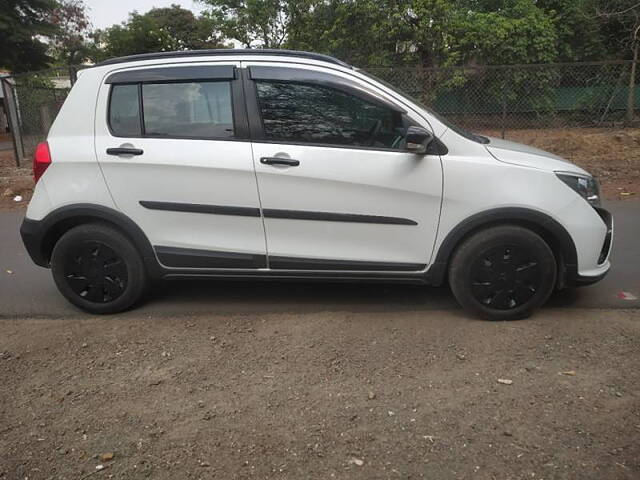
506,277
503,273
98,269
96,273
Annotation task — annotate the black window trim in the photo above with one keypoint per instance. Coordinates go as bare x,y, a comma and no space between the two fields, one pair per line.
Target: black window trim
238,110
299,75
176,74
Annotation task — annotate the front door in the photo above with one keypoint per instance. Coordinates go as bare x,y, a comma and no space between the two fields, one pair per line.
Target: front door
175,155
338,191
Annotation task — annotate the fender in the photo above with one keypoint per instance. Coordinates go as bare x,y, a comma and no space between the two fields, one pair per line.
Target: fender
548,228
40,236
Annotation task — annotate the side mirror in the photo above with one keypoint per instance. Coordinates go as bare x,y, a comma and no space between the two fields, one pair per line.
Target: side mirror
418,139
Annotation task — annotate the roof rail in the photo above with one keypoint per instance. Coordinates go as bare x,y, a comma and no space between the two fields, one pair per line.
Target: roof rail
224,52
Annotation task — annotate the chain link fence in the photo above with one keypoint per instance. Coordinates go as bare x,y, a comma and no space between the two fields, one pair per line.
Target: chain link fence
511,97
33,100
489,99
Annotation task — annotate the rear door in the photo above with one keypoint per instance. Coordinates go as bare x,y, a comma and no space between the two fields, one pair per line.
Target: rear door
172,142
337,188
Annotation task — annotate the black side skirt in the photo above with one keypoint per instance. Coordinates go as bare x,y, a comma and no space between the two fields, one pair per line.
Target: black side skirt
290,263
188,258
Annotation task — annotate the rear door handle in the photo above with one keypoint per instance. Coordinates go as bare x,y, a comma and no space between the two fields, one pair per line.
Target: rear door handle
279,161
124,151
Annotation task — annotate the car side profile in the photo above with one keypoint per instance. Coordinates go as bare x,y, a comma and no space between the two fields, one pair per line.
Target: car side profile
277,164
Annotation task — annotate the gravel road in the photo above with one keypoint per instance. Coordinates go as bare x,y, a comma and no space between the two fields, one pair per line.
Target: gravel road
321,395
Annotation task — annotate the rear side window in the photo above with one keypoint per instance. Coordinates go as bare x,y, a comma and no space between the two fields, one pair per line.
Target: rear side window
124,111
178,110
316,114
198,109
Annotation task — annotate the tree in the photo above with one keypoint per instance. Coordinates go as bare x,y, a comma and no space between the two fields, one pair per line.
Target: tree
184,30
358,32
140,34
623,17
579,36
511,33
263,23
432,33
22,24
158,30
69,43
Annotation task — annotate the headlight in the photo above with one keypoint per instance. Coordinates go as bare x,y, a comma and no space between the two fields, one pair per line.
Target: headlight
585,186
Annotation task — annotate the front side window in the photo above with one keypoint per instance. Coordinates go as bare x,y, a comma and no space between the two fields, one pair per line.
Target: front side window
183,110
317,114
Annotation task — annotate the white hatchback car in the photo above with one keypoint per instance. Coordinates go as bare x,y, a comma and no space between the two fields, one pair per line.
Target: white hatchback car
289,165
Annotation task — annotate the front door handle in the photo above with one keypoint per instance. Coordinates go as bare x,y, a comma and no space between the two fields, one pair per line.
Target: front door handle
279,161
124,151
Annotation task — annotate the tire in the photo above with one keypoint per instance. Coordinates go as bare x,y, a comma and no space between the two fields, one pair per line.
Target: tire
98,269
503,273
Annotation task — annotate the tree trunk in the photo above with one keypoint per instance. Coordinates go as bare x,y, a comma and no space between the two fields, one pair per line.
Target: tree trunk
631,99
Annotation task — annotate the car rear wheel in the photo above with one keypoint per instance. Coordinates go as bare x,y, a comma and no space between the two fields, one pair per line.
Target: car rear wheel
98,269
503,273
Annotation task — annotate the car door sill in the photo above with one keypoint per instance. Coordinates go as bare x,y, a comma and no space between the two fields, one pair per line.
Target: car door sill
189,258
419,278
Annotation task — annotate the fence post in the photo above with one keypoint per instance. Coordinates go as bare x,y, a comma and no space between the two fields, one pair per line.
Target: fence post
45,117
631,99
73,74
504,110
14,122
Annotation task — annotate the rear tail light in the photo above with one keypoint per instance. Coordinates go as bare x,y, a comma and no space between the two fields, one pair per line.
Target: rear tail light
41,160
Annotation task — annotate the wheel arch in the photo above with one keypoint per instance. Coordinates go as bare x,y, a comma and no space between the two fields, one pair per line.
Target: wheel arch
40,236
551,231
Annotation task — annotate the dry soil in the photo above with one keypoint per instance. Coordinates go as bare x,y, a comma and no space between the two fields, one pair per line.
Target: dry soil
322,395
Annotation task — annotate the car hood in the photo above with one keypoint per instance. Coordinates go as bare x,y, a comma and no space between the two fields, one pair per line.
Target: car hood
526,156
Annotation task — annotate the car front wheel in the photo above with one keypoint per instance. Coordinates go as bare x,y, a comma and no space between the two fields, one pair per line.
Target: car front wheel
503,273
98,269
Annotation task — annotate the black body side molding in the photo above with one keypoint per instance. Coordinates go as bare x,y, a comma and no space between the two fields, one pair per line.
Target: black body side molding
275,213
200,208
191,258
335,217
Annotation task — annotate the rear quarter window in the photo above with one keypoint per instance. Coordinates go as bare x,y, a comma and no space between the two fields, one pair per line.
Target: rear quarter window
124,111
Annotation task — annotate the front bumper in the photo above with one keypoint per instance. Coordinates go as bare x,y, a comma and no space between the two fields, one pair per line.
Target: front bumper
586,280
603,258
607,218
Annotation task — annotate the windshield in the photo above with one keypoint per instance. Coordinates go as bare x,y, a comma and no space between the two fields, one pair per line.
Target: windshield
459,130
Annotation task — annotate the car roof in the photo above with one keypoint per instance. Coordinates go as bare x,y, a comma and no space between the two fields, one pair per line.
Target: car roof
224,52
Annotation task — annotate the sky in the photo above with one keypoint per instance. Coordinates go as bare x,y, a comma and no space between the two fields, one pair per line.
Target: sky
104,13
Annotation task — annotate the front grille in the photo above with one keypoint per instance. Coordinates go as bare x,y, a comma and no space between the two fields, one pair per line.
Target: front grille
606,246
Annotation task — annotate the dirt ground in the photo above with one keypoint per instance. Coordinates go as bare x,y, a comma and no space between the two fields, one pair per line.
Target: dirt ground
612,155
14,181
322,395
